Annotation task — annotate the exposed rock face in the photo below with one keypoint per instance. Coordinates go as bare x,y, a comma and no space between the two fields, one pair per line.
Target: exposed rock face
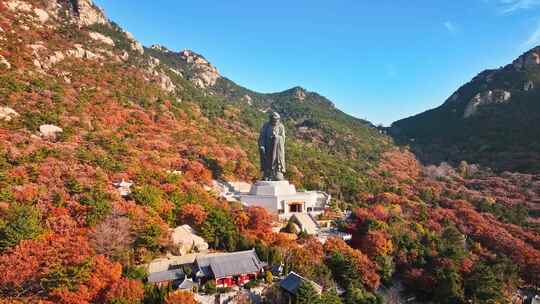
160,47
49,131
486,98
19,6
101,38
42,15
184,239
47,61
124,56
529,85
7,113
203,73
162,79
123,187
80,52
88,13
44,60
135,45
165,82
300,93
247,99
15,5
4,62
528,60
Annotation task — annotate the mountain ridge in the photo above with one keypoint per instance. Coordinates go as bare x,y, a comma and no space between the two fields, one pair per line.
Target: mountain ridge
491,120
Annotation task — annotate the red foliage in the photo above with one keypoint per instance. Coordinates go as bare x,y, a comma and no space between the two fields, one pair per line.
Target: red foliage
260,219
366,267
419,279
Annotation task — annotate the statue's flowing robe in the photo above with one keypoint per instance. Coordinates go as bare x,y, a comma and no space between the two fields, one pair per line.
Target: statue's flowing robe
272,144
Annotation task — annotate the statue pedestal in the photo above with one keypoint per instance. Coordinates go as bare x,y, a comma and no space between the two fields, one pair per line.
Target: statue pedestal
272,188
281,198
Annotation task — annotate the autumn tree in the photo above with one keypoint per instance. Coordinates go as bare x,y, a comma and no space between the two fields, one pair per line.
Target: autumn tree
112,237
180,297
259,220
125,291
192,214
376,243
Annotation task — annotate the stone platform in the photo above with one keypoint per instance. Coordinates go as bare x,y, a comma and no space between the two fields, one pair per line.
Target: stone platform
281,198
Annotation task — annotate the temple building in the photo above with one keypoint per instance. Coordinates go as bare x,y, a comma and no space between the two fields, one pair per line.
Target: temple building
229,269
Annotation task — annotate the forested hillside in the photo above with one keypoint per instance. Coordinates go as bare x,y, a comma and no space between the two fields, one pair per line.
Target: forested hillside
493,120
330,150
84,106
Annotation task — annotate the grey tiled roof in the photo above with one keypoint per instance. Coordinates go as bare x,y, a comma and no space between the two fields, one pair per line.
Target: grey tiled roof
292,281
187,284
168,275
229,264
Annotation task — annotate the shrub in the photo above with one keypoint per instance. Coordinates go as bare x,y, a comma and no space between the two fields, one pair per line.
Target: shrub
149,237
20,223
252,284
68,277
148,195
209,288
134,272
99,206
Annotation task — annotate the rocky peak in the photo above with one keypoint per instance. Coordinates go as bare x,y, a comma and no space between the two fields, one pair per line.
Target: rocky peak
88,13
160,47
300,93
202,73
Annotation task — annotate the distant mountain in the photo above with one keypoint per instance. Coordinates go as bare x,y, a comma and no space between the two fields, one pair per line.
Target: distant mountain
493,120
322,132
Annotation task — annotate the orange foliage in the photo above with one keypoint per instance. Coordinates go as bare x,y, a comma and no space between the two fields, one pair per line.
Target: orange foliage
376,243
366,267
130,291
180,297
30,260
192,214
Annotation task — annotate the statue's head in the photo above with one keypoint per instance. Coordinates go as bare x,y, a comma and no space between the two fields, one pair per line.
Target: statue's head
274,117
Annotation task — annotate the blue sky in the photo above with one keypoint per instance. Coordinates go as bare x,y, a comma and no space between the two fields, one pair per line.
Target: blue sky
378,60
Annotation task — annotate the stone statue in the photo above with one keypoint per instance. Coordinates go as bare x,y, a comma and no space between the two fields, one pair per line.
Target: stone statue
272,149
